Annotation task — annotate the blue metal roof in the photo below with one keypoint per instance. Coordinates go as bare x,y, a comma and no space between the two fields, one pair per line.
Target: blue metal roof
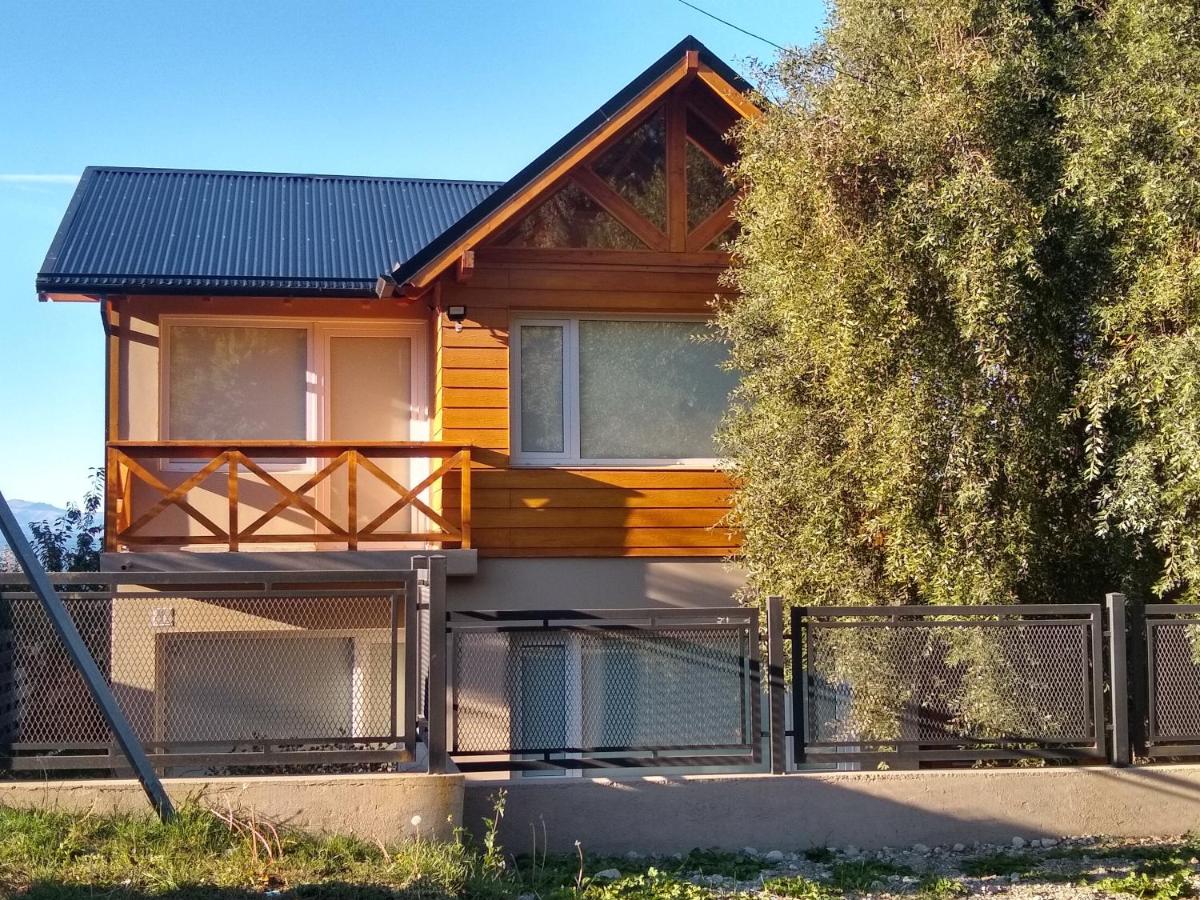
187,231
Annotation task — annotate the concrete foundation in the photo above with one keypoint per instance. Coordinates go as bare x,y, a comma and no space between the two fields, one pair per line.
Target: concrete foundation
387,808
866,809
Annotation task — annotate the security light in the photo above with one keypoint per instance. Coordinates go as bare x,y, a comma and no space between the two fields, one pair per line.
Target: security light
456,314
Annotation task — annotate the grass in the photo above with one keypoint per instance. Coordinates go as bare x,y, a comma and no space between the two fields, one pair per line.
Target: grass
207,855
799,888
57,855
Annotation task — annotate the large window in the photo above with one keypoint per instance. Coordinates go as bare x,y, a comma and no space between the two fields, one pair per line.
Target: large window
228,381
616,391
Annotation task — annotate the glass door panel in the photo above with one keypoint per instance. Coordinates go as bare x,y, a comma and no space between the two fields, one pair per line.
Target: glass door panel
369,398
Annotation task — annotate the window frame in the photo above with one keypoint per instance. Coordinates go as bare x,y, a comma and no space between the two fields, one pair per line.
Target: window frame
316,414
571,457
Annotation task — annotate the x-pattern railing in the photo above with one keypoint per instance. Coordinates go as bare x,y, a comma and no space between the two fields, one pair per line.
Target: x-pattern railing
127,463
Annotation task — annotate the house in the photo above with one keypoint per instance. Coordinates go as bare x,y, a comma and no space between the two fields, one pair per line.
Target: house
328,372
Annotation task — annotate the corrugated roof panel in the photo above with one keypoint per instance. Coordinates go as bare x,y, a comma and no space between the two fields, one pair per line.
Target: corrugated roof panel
163,230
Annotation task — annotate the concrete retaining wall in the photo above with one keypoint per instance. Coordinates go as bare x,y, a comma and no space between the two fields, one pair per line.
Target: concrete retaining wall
666,815
388,807
866,809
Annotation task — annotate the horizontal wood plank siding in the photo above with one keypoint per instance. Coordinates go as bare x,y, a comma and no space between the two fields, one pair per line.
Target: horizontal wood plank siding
522,511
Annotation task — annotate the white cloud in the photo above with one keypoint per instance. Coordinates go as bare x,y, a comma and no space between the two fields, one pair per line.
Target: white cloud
17,178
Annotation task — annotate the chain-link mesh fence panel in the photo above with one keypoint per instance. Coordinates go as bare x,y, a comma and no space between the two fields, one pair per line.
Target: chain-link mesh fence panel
212,671
880,678
595,690
1175,698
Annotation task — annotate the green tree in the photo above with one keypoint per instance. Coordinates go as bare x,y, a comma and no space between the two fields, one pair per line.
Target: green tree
968,271
1133,132
914,313
71,542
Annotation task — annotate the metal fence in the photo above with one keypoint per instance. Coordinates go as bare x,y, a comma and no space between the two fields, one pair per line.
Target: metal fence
214,671
947,683
1170,692
318,671
604,688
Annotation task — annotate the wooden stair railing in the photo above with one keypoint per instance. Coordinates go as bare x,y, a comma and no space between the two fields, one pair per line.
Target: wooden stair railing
127,462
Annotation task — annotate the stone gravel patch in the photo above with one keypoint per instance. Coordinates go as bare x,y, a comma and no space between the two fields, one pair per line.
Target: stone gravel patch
1063,868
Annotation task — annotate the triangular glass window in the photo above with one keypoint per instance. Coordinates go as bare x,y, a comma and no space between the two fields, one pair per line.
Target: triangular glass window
707,185
636,168
570,218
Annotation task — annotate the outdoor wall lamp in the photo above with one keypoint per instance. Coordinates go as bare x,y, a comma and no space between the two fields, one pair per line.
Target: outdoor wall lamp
456,314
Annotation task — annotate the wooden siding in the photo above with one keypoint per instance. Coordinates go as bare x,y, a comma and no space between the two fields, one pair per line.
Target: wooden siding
526,511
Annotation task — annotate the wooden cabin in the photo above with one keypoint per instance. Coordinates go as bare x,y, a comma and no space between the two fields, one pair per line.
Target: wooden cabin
333,368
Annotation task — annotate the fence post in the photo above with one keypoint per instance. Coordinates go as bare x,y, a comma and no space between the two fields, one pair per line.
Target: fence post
412,668
1119,679
435,581
1139,677
799,682
777,723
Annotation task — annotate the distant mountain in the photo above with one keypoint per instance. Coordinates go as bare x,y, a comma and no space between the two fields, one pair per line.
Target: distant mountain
30,511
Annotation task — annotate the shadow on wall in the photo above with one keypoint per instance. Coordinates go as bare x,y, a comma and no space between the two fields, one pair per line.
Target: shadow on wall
866,809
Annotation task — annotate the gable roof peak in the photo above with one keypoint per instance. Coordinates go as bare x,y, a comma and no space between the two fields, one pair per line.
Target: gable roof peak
419,270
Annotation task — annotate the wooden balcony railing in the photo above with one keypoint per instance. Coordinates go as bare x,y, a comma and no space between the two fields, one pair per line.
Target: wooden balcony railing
211,482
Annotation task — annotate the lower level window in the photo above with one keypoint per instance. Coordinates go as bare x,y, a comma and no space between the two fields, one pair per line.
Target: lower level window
623,391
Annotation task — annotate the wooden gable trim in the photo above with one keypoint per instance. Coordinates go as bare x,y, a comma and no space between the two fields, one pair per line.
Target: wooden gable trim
689,66
730,94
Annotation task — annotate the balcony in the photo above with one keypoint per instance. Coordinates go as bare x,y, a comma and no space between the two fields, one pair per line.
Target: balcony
302,494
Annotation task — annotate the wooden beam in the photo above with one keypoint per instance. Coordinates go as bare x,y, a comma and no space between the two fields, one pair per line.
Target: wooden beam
676,175
579,258
622,210
466,268
712,227
727,92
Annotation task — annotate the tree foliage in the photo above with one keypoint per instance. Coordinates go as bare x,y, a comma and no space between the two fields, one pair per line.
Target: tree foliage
966,323
71,542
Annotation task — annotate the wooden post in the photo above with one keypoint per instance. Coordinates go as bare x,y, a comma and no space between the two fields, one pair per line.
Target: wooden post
677,218
464,503
352,500
776,689
232,491
111,493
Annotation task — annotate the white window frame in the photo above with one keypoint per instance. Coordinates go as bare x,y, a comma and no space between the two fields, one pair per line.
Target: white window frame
570,456
316,414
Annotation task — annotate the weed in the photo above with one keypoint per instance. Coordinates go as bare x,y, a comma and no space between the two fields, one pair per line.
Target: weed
939,887
649,885
997,864
799,887
859,875
1157,881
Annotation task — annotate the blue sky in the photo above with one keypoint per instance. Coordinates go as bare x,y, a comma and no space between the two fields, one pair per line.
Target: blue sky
436,89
